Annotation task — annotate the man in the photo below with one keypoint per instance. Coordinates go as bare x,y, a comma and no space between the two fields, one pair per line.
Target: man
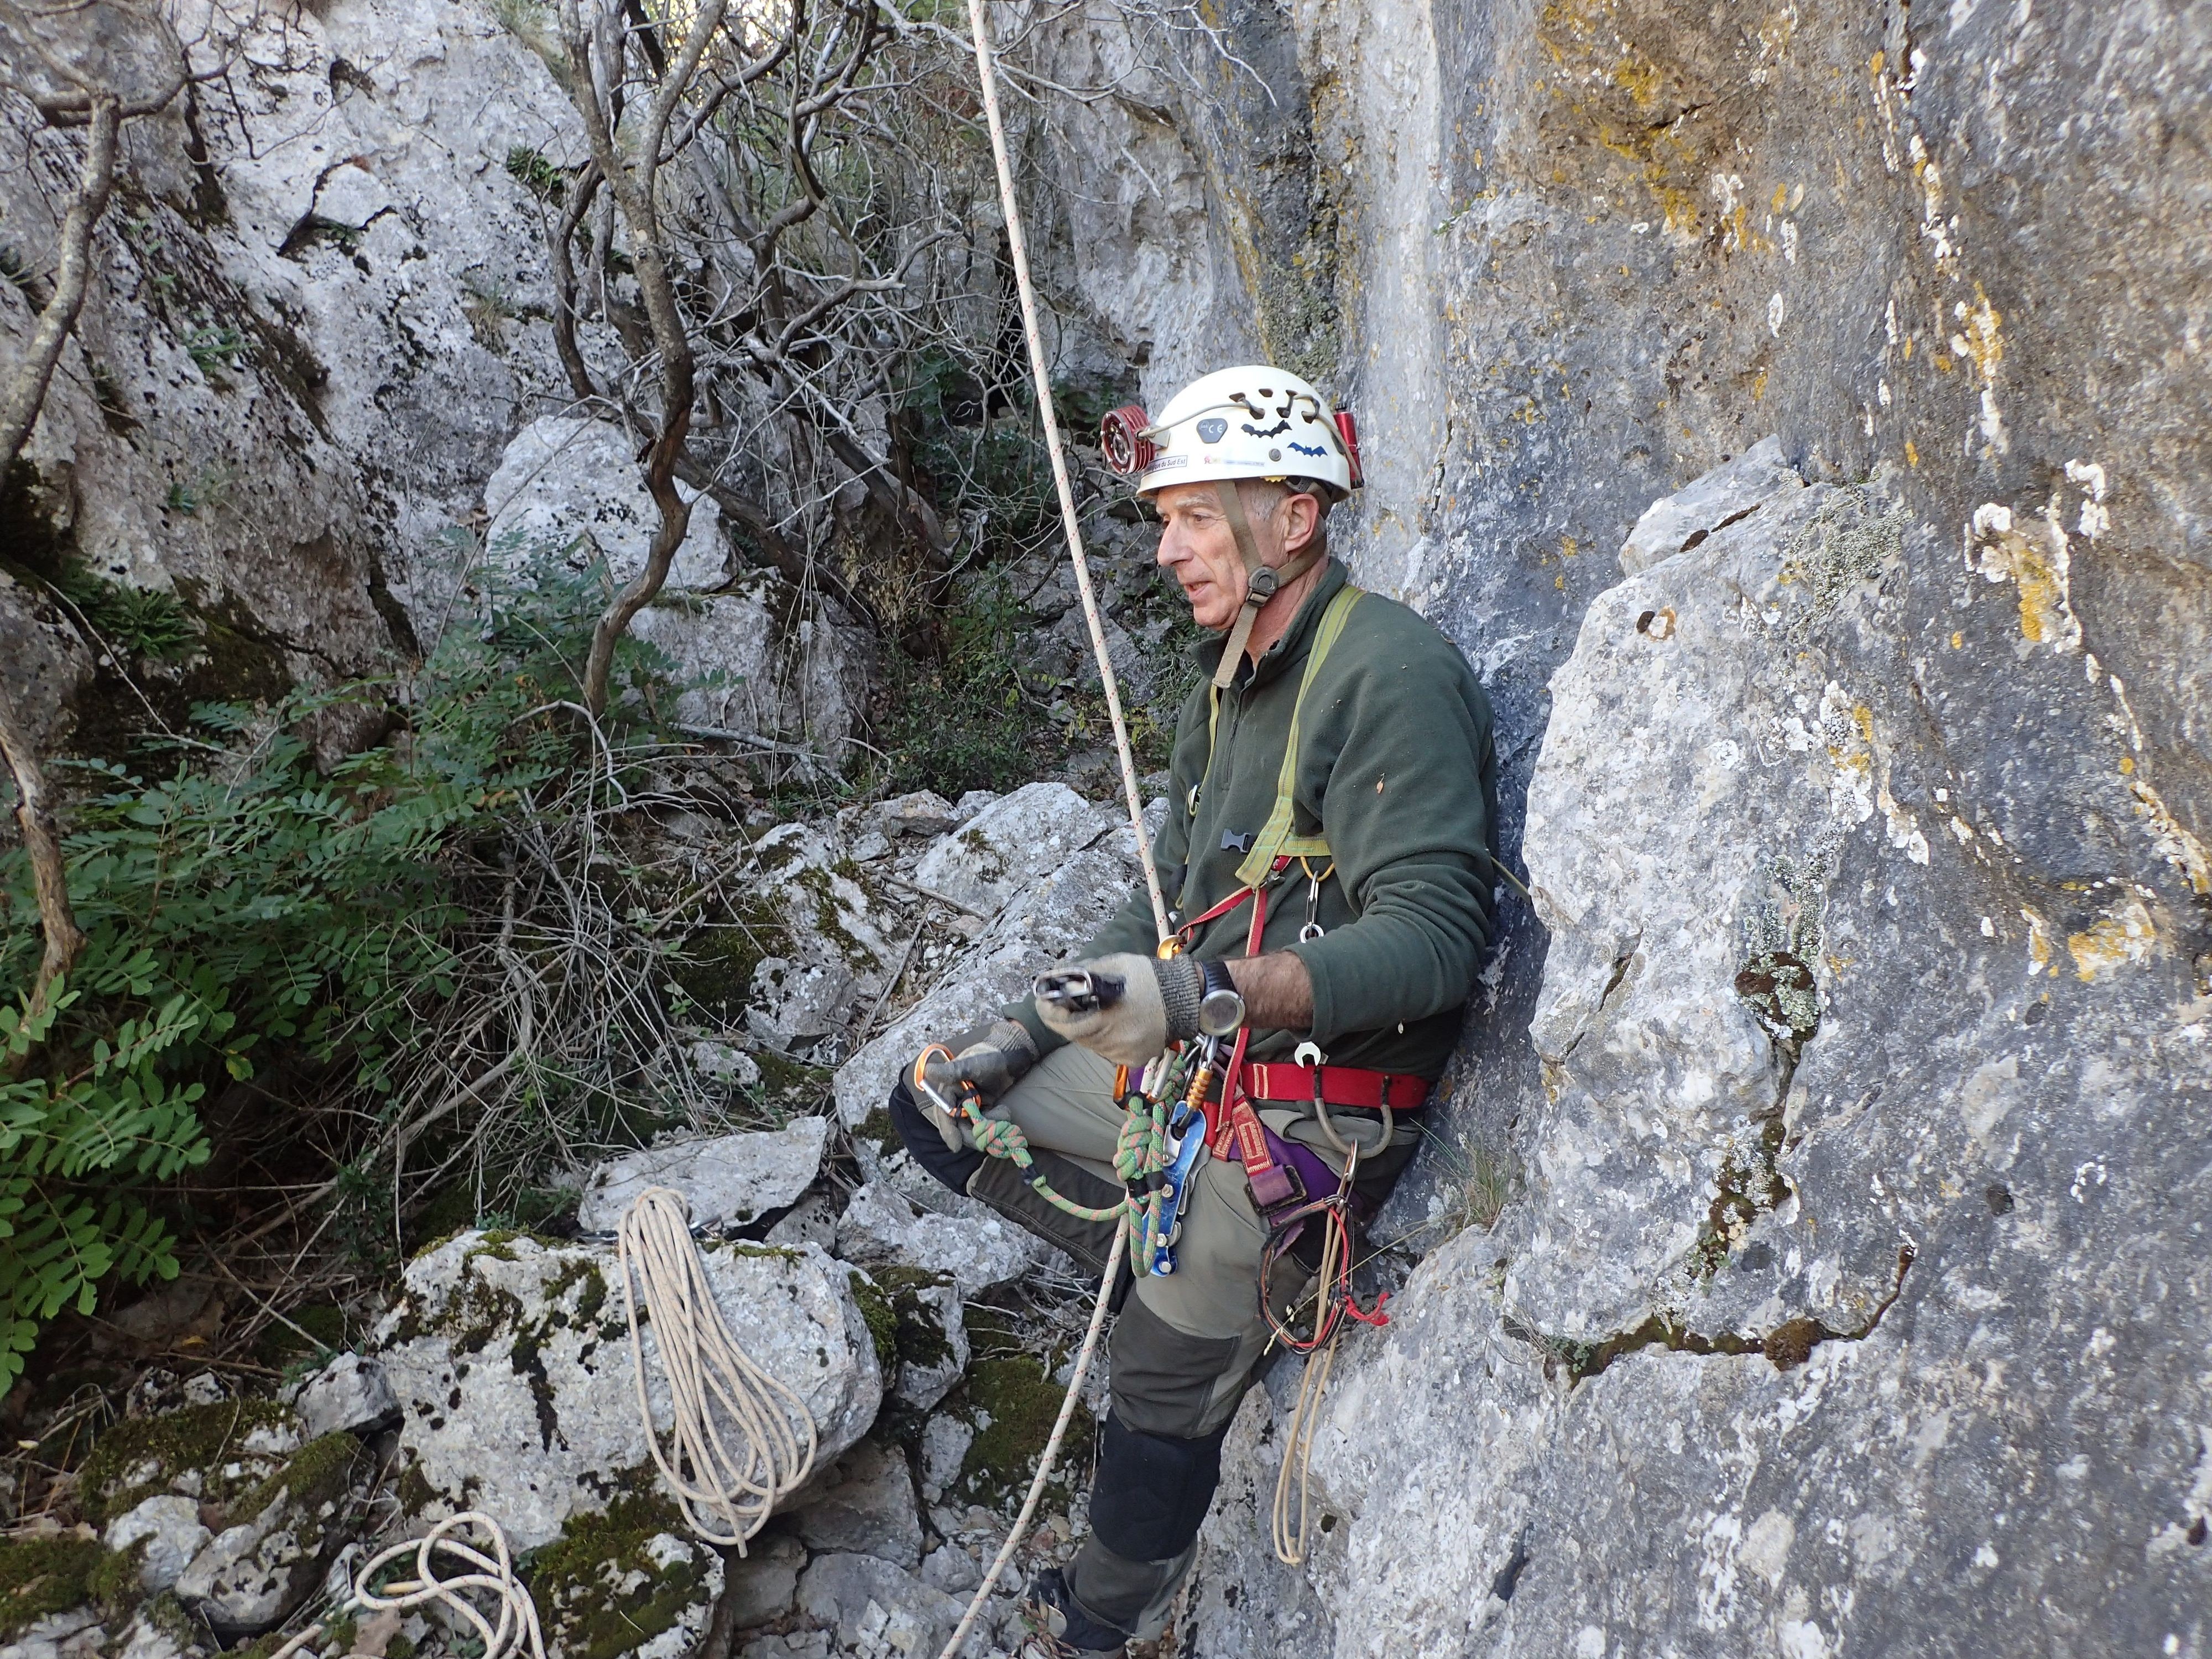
1371,851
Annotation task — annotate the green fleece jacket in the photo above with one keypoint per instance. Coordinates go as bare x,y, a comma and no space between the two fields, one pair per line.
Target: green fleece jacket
1396,768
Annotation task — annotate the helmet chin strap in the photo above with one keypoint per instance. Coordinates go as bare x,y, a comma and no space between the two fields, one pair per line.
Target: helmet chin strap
1261,581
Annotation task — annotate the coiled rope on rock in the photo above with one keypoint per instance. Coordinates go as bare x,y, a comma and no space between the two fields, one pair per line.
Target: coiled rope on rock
728,1467
489,1571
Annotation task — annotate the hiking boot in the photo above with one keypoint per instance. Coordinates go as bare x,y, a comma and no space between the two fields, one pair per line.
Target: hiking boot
1061,1628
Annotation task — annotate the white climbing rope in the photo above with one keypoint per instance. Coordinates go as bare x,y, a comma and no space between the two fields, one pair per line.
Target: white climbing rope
1018,253
733,1452
1051,1447
488,1572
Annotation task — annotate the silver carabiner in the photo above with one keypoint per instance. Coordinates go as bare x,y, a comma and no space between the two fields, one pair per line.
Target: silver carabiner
1313,929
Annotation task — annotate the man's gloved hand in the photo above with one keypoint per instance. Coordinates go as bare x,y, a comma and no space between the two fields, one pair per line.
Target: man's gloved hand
994,1059
1158,1004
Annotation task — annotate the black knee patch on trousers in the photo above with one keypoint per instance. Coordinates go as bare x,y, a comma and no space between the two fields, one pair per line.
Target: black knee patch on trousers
1152,1491
925,1146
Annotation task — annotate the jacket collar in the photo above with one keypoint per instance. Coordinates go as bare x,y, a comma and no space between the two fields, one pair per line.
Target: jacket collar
1296,640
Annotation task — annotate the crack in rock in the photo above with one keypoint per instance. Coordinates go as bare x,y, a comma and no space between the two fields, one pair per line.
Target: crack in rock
1785,1348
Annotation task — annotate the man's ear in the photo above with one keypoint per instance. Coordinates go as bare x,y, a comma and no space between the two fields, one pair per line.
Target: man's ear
1301,518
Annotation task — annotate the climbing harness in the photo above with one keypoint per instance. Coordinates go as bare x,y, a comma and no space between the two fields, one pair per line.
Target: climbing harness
733,1452
1156,1156
487,1572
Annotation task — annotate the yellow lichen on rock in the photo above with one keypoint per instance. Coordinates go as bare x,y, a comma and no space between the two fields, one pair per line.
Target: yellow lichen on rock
2041,573
2112,941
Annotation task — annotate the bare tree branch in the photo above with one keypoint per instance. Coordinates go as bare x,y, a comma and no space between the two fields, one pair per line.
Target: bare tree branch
27,393
635,191
34,814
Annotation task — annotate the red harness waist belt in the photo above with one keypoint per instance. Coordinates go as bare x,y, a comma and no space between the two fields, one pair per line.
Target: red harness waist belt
1338,1085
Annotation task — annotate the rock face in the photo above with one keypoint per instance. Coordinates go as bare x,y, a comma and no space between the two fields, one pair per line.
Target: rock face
168,1525
301,358
1840,1089
1831,1083
1068,896
512,1362
729,1180
980,1249
350,1395
570,485
767,664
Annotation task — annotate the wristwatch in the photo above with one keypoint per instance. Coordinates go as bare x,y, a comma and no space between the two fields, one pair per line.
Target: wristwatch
1220,1004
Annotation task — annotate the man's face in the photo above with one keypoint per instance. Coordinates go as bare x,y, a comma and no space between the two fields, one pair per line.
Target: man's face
1199,549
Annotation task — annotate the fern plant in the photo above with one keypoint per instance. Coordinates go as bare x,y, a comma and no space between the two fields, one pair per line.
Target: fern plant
248,905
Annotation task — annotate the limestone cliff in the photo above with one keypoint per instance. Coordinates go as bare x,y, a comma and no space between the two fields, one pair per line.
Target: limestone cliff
1854,1060
1794,413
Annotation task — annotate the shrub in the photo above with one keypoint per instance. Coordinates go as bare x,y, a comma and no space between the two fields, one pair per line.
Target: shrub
249,905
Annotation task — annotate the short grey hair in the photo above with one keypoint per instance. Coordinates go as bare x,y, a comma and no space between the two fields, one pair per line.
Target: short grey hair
1298,486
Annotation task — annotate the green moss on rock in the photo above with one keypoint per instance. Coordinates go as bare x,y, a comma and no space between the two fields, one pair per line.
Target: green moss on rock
918,1325
142,1456
1022,1401
600,1589
41,1576
320,1473
882,1319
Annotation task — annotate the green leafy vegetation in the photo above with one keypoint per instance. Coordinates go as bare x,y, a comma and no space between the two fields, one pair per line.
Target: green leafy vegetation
141,622
215,347
249,909
531,169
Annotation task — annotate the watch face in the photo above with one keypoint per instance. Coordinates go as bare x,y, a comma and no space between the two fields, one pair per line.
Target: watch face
1220,1013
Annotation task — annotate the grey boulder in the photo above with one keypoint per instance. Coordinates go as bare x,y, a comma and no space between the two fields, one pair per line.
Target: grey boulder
73,1633
729,1181
1047,917
511,1362
1008,844
763,1584
1676,522
875,1606
350,1395
980,1250
865,1507
168,1525
249,1576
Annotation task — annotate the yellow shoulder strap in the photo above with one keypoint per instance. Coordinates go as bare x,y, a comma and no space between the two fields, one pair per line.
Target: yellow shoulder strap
1275,840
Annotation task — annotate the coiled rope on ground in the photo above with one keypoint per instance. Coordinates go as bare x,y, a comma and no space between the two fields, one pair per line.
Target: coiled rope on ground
487,1572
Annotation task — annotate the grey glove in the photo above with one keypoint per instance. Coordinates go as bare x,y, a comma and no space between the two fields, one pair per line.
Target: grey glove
993,1058
1139,1006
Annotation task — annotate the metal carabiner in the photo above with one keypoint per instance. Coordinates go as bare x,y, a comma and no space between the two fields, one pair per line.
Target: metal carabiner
1313,929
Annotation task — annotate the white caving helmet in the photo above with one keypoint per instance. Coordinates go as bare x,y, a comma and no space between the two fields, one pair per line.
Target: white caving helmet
1250,422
